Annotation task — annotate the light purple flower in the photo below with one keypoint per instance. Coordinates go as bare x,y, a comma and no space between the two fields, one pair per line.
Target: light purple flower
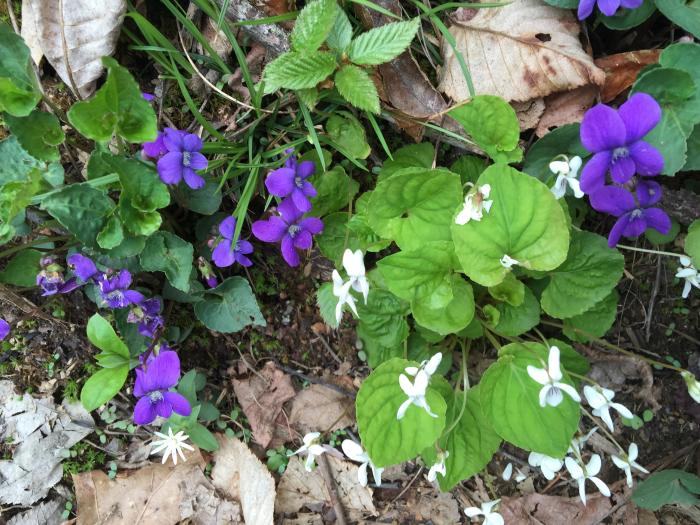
52,280
82,266
147,315
635,216
114,291
226,252
290,230
290,181
153,386
615,139
183,159
607,7
4,329
156,149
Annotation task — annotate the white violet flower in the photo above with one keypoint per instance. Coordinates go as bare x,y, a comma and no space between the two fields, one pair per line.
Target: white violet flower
439,466
356,453
547,464
566,172
508,473
690,274
628,463
578,442
354,265
415,392
550,378
475,204
600,401
581,473
508,262
341,290
429,366
312,447
490,518
171,445
692,384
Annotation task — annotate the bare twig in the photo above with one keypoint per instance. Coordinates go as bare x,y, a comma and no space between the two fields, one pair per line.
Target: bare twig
312,379
325,470
652,299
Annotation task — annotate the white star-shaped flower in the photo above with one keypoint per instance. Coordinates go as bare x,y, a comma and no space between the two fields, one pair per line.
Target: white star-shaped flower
692,384
341,290
550,378
439,466
429,366
508,473
354,265
356,453
690,274
475,204
171,445
581,473
312,447
628,463
508,262
490,518
547,464
566,172
600,401
415,392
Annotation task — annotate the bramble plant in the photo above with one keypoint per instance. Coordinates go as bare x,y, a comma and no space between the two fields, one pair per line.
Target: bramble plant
431,261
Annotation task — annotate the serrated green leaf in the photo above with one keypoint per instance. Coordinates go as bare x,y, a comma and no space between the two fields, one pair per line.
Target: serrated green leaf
229,307
525,222
295,70
308,97
103,386
313,24
102,335
39,133
415,206
116,108
382,44
596,321
446,318
341,33
355,86
510,401
387,439
588,275
168,253
666,487
383,319
19,91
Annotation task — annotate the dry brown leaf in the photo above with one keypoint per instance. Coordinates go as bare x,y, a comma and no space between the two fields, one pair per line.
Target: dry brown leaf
539,509
524,50
240,475
156,494
261,397
300,489
621,70
440,509
566,108
74,35
321,408
529,112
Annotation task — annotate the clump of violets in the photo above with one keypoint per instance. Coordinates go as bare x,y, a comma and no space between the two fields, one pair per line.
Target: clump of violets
607,7
51,278
178,157
154,379
226,252
615,137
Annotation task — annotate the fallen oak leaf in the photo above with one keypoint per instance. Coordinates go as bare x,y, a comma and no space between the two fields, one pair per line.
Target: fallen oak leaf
621,70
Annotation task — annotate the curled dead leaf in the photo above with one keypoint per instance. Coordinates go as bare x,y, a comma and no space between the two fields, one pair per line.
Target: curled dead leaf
621,70
566,108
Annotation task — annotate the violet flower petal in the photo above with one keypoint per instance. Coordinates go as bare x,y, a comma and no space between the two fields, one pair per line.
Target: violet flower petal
613,200
144,411
289,254
648,192
641,113
82,266
656,218
300,201
227,227
198,161
244,246
242,259
170,167
593,174
178,402
139,389
303,240
280,182
223,255
4,329
622,169
173,140
305,169
271,230
608,7
647,159
585,8
312,224
163,372
602,129
193,180
191,142
289,212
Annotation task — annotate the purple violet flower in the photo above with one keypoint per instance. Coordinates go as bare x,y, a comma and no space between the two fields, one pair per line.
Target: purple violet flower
290,180
635,216
82,266
148,96
52,280
182,159
226,252
147,315
153,386
156,149
4,329
615,139
290,230
607,7
114,291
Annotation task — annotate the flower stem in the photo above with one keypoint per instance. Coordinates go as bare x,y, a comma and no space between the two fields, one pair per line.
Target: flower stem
100,181
603,429
465,387
643,250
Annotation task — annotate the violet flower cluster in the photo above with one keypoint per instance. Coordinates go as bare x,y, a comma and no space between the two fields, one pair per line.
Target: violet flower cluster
178,157
615,139
290,227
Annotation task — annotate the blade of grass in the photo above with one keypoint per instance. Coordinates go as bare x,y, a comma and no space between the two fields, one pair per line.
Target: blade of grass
379,134
371,5
312,133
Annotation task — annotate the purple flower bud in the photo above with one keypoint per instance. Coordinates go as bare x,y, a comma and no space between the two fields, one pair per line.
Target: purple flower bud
147,315
156,149
147,96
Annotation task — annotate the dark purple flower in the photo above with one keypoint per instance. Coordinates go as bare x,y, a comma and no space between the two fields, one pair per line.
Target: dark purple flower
290,229
615,139
148,97
114,291
155,149
290,180
82,266
147,315
182,159
226,251
153,388
52,280
607,7
635,215
4,329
